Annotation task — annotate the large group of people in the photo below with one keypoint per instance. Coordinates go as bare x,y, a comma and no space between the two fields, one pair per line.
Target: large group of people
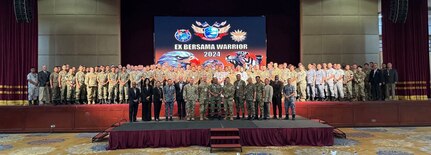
250,89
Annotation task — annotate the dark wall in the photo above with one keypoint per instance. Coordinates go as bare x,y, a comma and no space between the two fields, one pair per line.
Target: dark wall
282,24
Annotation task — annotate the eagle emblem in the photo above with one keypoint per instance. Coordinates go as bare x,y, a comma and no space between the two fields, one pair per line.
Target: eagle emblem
211,32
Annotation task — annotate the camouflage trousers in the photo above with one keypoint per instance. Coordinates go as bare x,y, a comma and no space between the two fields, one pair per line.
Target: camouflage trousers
360,91
55,93
70,95
228,103
190,108
239,105
250,108
302,86
123,93
113,92
259,107
348,90
102,91
80,92
91,94
63,92
215,105
203,106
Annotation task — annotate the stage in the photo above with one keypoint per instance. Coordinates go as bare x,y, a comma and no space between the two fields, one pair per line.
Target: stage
176,133
93,118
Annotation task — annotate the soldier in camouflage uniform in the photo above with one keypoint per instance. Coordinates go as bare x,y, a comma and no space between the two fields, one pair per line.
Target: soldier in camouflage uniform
203,96
228,94
102,80
214,91
113,85
62,82
359,81
55,86
80,85
239,96
250,97
348,78
123,85
367,85
70,86
260,93
190,95
91,83
302,83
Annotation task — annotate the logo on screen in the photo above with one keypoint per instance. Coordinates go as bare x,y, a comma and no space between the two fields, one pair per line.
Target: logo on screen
183,35
211,32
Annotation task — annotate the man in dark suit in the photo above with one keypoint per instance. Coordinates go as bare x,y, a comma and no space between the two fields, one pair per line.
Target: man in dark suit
134,95
43,79
375,81
179,87
277,86
390,79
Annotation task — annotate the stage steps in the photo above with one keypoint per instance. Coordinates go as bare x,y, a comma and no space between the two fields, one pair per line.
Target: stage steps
102,135
224,138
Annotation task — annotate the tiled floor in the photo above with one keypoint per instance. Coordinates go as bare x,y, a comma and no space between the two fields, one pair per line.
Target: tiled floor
367,141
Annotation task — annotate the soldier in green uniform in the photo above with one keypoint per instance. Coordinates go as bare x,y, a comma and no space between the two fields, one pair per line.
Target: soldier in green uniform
113,85
80,85
102,88
214,91
190,95
348,78
203,96
239,96
62,83
359,81
91,83
124,85
260,93
55,88
70,86
228,94
250,98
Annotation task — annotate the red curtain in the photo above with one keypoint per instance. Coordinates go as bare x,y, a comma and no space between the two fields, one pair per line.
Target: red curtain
405,45
18,53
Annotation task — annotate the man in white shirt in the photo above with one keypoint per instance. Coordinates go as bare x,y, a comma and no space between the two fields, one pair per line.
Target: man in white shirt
338,82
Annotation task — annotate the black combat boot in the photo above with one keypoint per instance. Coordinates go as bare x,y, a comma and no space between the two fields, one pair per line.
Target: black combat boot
293,117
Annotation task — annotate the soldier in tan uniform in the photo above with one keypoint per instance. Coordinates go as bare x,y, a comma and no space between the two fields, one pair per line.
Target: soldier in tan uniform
70,86
123,85
55,88
348,78
302,83
62,83
80,85
113,86
102,88
91,83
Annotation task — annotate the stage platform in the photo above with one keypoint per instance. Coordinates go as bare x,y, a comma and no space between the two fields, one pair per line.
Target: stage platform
94,118
176,133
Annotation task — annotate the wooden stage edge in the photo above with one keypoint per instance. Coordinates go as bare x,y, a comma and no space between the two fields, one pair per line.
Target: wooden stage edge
90,118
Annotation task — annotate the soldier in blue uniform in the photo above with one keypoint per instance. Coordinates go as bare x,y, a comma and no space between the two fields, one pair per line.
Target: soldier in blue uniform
289,99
